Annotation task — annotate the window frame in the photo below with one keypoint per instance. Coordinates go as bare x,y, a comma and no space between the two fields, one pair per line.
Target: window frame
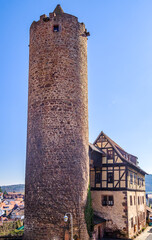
110,153
132,222
110,179
131,178
56,28
135,178
97,177
110,201
107,200
104,200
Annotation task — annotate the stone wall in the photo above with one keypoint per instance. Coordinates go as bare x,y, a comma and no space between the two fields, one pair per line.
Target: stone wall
116,215
57,166
136,212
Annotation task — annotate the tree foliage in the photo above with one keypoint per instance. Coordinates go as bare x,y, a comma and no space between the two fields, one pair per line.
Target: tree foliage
89,213
1,189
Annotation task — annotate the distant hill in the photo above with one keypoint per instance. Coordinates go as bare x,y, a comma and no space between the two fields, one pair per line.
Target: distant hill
14,188
148,182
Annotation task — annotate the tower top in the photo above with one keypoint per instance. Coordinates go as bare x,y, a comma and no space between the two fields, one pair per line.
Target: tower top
59,13
58,10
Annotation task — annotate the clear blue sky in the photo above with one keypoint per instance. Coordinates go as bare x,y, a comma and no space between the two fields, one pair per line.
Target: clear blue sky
119,75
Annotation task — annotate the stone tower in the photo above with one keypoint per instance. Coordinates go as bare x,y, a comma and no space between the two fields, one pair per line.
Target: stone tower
57,165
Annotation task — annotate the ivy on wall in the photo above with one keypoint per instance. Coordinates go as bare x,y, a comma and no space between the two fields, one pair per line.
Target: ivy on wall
89,213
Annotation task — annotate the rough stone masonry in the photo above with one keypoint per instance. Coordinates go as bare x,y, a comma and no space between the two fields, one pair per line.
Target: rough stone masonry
57,164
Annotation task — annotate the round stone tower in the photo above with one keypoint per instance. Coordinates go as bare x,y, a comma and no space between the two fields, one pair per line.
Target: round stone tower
57,164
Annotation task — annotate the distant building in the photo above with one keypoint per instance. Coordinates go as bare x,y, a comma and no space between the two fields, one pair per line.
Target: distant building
17,213
13,195
118,187
1,196
7,207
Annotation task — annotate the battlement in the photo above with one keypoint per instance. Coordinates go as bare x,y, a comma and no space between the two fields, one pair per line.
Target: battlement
57,19
55,15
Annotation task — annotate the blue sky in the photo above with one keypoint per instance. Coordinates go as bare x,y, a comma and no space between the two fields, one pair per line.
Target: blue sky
119,75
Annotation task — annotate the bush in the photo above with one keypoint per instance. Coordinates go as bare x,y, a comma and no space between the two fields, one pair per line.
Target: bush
16,233
19,223
9,228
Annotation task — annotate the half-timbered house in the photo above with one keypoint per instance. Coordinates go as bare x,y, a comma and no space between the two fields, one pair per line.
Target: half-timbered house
117,186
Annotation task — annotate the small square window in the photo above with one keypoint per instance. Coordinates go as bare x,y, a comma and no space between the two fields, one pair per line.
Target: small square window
107,200
56,28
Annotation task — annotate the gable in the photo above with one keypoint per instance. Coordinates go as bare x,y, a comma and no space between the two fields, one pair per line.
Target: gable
120,155
108,148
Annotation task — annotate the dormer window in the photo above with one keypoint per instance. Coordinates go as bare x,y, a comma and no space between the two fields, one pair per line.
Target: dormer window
56,28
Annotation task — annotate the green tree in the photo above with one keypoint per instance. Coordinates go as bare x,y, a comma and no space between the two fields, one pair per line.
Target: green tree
5,192
89,213
1,189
